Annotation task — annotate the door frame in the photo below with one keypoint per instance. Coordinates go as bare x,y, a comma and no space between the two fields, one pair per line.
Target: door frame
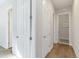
9,10
70,26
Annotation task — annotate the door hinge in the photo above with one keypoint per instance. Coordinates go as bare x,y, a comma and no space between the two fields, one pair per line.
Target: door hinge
30,17
30,38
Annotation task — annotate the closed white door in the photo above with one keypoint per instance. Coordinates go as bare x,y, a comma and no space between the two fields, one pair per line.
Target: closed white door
21,28
64,26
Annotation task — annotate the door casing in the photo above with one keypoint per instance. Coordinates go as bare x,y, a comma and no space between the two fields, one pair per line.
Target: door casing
10,10
70,25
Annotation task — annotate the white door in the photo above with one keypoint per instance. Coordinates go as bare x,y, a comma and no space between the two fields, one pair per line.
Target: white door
45,32
21,32
46,37
47,29
64,26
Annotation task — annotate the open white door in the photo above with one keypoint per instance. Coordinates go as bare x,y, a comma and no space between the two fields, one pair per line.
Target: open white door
21,28
47,28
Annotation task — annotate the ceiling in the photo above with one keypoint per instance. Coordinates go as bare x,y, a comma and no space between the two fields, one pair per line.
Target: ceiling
60,4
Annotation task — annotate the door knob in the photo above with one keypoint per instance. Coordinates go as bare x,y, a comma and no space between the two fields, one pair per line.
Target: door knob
44,36
17,36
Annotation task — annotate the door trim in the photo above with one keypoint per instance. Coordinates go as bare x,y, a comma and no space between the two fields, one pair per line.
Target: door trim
70,26
9,34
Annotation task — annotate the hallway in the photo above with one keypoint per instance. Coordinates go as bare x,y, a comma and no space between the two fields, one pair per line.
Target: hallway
61,51
39,28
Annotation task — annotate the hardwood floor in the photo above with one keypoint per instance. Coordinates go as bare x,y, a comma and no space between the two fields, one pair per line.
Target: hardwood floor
61,51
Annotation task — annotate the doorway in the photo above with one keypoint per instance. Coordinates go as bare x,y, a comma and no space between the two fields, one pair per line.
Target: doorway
6,52
64,28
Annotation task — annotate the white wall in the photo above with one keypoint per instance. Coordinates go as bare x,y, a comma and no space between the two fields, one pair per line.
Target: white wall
39,23
4,25
3,28
76,27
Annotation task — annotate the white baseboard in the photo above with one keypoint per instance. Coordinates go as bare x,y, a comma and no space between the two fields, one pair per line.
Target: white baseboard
76,51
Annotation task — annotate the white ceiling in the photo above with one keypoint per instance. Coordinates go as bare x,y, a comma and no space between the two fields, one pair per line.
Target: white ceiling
60,4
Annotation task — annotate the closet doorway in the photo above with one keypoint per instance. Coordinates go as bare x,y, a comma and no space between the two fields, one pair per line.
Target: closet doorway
64,28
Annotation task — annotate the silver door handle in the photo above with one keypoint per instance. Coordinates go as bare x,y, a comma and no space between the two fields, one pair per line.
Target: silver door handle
17,36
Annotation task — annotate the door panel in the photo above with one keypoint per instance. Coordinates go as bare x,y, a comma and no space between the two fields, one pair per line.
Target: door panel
47,29
22,28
